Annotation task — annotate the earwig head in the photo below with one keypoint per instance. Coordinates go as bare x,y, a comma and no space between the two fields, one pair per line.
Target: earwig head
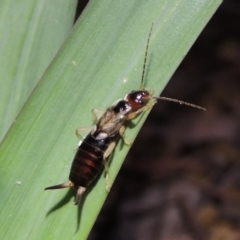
138,98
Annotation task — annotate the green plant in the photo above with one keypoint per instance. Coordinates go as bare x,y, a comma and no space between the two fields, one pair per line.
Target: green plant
100,62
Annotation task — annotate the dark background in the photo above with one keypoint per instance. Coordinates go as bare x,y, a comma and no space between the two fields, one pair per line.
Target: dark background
181,179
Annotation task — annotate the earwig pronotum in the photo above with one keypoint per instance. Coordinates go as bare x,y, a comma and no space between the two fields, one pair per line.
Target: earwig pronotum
92,154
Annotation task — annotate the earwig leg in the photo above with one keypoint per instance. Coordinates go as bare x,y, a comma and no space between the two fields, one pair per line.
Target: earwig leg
146,107
80,192
107,182
82,129
121,132
94,114
143,109
105,156
67,184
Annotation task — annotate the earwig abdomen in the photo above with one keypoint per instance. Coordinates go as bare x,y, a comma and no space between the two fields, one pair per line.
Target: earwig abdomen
86,164
88,161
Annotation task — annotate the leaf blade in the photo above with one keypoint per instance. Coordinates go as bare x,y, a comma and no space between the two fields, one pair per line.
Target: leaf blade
62,102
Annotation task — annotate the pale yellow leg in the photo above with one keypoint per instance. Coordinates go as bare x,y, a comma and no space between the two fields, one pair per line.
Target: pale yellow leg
105,163
88,128
82,129
94,114
121,132
143,109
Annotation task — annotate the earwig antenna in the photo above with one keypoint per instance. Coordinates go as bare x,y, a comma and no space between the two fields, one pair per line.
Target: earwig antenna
180,102
145,58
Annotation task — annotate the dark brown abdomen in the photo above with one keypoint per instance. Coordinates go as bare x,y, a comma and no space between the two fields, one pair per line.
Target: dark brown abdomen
88,161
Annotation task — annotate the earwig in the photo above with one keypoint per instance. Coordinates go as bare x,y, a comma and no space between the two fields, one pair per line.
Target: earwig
92,154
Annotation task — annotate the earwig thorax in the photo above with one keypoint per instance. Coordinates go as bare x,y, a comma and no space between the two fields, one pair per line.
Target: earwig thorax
121,107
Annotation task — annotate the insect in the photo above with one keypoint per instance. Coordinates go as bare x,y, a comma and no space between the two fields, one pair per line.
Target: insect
92,154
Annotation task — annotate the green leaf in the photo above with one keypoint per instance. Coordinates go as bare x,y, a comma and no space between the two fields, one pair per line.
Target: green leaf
31,34
99,63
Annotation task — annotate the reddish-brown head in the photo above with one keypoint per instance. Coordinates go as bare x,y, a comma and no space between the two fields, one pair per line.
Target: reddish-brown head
138,99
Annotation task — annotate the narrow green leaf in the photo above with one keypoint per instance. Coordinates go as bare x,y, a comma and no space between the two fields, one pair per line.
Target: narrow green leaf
32,32
100,62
